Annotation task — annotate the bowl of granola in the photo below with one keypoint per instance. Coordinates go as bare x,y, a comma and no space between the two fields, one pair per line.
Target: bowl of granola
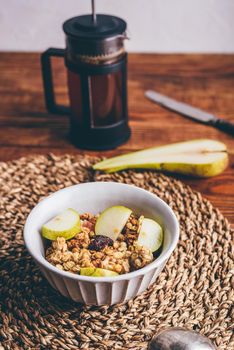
101,243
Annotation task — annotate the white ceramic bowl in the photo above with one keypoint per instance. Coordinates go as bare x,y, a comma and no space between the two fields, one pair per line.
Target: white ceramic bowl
95,197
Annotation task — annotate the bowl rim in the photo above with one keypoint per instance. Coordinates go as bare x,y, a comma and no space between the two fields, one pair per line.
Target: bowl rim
127,276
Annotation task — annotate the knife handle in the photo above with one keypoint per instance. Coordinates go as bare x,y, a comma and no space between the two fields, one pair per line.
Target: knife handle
223,125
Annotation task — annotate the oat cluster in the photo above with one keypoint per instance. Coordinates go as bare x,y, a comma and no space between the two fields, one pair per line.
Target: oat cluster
123,256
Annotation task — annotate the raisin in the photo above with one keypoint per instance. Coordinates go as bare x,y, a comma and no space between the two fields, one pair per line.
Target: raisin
99,242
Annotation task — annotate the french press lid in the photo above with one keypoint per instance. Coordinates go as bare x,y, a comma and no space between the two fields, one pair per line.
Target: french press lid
95,36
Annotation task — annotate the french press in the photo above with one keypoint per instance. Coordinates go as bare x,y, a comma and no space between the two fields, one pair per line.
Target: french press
96,63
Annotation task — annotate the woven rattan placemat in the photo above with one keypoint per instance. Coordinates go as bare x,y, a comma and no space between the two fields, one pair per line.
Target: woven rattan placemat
194,290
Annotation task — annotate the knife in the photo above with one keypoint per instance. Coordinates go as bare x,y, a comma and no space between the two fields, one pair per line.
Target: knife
191,112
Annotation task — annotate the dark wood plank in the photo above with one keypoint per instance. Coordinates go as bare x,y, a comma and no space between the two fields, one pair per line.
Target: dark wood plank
206,81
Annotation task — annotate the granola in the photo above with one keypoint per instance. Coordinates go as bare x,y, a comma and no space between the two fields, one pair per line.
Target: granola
123,255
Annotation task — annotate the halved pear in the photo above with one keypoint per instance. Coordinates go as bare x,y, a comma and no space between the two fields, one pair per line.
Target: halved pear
150,234
97,272
202,158
111,221
66,224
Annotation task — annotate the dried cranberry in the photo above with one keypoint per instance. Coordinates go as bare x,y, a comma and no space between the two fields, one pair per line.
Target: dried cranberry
99,242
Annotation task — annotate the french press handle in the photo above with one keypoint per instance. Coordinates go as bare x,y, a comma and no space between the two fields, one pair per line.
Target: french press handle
47,77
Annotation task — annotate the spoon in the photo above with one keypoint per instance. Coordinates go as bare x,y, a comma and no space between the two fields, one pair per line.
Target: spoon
180,339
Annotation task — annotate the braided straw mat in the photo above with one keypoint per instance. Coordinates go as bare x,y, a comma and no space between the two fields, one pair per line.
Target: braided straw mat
194,290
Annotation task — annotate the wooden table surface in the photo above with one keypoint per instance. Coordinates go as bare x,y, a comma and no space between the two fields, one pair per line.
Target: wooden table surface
206,81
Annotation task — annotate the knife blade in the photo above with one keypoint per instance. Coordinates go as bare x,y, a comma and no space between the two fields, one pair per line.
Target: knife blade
190,112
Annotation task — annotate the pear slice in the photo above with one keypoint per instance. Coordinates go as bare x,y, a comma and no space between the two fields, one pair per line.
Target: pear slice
66,224
97,272
150,234
111,221
202,158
